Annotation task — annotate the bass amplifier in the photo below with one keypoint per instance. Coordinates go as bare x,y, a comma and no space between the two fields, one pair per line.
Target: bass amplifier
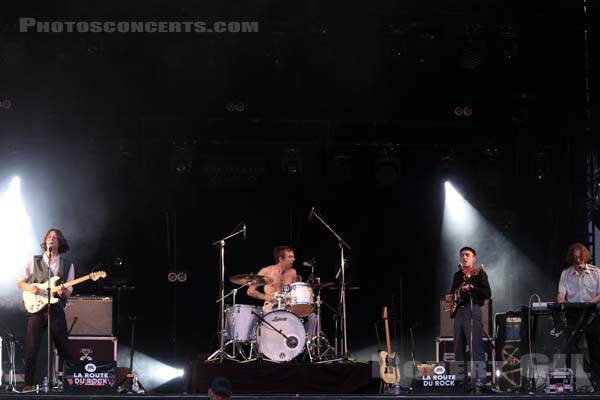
89,315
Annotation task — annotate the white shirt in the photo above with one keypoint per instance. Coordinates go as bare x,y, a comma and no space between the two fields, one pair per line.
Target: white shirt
54,265
580,286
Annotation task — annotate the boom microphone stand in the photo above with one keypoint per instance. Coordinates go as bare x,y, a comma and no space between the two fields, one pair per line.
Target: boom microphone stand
342,300
220,354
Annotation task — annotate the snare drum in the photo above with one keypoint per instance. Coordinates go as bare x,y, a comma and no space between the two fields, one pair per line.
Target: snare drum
245,321
299,299
273,344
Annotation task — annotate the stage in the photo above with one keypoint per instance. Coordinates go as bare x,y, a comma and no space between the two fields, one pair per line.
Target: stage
307,397
262,380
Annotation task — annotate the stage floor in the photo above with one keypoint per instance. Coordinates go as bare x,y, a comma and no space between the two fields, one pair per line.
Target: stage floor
510,396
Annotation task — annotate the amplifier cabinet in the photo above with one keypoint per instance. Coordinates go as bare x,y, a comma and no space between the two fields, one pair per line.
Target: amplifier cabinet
91,377
447,323
90,315
92,348
444,352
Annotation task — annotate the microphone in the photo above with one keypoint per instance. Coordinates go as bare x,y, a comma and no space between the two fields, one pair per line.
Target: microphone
307,264
312,211
49,251
244,234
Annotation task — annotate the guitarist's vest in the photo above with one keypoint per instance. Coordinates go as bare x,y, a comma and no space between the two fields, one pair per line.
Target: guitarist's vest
40,272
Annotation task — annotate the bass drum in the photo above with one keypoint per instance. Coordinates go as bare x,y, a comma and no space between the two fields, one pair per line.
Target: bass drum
273,344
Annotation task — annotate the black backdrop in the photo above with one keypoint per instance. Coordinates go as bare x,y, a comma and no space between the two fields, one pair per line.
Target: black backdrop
99,125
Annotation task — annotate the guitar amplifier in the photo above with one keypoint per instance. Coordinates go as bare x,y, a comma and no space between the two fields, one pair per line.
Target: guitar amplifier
447,323
91,349
89,315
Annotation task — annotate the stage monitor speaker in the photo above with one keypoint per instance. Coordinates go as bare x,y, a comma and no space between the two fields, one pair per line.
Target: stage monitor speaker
447,323
89,316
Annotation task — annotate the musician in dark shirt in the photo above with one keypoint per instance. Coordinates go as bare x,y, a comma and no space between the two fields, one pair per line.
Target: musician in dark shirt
470,288
580,283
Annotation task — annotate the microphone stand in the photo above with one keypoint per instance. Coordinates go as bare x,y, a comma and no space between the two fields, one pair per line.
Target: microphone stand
471,350
414,362
342,244
221,354
48,294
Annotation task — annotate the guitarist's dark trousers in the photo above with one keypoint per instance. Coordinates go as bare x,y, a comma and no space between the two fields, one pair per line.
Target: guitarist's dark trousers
462,337
36,329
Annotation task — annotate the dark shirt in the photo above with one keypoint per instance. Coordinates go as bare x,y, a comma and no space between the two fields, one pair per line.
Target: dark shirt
481,286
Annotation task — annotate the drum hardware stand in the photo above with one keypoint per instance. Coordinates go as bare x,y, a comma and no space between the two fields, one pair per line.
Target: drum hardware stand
319,339
220,354
236,348
342,273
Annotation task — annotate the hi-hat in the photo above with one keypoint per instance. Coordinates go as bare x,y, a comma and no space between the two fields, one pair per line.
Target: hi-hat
348,287
250,279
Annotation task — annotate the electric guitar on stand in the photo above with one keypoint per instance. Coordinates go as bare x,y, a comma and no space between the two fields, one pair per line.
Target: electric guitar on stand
388,361
35,302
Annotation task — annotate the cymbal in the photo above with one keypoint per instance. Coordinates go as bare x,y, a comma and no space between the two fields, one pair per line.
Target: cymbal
348,287
322,285
253,279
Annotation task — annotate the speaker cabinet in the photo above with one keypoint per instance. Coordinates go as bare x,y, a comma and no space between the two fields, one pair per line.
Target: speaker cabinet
447,323
90,349
89,316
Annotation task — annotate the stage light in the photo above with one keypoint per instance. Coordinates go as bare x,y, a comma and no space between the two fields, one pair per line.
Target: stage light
505,264
388,169
151,373
455,203
16,241
181,158
292,162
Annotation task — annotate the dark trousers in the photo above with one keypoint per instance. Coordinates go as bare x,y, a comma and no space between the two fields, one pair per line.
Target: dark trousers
36,327
462,338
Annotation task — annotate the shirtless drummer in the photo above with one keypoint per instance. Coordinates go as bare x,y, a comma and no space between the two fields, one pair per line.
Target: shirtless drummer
282,273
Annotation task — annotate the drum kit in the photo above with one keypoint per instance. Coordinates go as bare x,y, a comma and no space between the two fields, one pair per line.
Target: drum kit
249,333
290,328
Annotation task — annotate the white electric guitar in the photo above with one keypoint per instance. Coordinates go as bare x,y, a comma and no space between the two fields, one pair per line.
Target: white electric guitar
35,302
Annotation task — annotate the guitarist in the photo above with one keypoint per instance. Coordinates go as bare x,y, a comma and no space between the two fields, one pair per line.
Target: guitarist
36,271
469,283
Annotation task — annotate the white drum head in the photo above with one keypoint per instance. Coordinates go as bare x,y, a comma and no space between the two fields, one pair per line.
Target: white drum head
274,345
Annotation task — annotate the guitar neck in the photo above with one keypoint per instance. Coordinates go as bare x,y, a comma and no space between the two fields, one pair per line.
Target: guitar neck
387,337
72,283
